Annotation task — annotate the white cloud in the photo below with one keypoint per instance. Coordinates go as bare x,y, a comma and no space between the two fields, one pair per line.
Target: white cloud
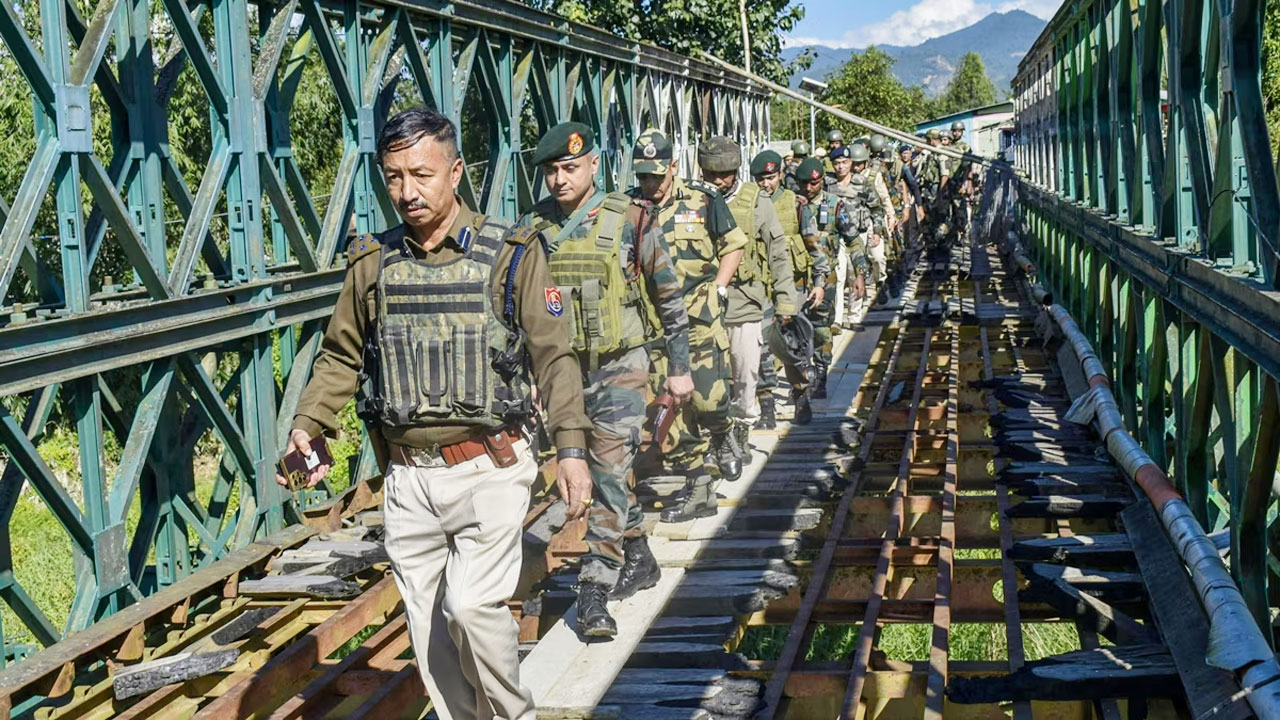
1043,9
925,20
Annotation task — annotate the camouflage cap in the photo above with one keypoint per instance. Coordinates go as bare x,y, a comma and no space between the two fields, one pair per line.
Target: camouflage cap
766,163
809,170
719,154
652,153
933,134
563,142
800,148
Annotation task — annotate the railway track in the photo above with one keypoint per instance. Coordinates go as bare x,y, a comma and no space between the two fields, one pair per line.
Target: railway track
942,491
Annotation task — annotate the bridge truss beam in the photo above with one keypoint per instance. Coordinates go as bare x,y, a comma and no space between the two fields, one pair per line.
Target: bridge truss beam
1149,201
208,332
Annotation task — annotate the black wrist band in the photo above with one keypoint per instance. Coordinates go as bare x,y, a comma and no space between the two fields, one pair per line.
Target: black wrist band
571,452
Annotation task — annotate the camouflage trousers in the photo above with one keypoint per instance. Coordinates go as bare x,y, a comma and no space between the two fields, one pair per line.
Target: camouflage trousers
821,316
615,401
708,413
959,216
797,375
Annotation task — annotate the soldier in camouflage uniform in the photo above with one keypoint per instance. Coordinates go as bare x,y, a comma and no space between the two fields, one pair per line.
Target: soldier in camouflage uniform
707,245
933,177
879,204
809,275
607,250
835,140
831,229
909,190
799,151
762,285
853,265
960,184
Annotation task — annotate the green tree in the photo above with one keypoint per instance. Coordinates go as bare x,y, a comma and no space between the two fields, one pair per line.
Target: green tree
1271,72
687,26
865,86
969,87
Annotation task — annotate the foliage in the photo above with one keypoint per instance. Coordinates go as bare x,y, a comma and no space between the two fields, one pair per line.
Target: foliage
1271,72
969,87
687,26
866,86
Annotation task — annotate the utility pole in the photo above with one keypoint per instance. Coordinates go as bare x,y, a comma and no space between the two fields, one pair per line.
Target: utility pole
746,38
813,87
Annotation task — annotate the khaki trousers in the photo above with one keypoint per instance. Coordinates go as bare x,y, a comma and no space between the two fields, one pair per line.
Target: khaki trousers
879,261
745,342
453,536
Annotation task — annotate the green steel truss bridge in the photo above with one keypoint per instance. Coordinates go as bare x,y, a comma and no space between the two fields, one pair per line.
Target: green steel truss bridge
163,323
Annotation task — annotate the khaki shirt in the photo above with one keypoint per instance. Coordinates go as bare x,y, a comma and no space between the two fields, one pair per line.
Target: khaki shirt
555,367
747,301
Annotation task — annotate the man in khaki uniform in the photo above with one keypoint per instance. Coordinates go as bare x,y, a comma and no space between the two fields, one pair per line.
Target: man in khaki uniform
438,318
706,245
762,284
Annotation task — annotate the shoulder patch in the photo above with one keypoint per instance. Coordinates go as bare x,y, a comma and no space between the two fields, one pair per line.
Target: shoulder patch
364,245
555,303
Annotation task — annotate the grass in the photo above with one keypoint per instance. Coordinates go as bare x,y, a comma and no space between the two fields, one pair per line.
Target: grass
41,548
912,641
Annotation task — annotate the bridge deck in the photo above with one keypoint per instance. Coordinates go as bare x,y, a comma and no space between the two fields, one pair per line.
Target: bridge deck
845,574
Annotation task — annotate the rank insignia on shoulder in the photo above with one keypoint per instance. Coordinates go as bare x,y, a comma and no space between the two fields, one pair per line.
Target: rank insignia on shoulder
361,246
555,305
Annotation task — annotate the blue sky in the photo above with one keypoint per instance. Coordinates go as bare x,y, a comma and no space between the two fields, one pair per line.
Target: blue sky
858,23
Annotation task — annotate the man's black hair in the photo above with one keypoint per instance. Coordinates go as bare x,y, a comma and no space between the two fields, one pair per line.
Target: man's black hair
408,127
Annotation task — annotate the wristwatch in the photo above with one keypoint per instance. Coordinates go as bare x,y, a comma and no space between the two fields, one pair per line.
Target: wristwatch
571,452
722,291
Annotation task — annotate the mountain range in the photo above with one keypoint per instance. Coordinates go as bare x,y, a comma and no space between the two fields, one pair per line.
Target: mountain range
1000,38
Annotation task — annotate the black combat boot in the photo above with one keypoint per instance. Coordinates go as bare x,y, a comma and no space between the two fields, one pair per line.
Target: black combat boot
639,572
804,413
699,503
728,455
594,620
819,387
768,413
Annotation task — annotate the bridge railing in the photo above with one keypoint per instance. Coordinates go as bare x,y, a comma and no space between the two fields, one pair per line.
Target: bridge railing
1149,202
203,326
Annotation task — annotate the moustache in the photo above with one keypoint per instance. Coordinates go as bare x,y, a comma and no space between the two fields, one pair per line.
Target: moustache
414,205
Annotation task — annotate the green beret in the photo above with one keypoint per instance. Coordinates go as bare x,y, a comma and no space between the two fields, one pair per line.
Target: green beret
652,153
719,154
766,163
810,169
563,142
